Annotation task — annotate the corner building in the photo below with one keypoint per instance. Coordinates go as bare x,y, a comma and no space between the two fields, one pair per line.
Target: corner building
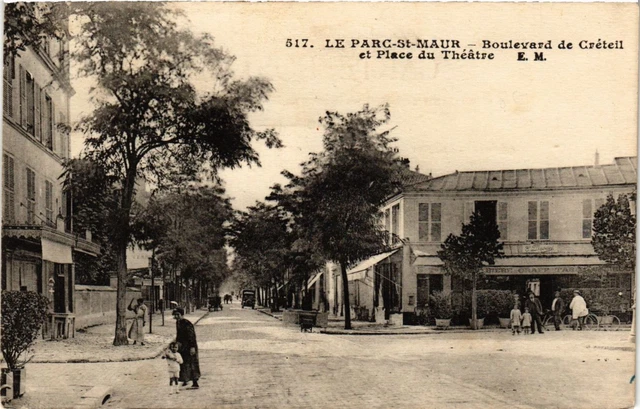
545,218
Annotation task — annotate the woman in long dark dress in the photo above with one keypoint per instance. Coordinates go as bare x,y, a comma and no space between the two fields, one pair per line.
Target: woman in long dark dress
186,337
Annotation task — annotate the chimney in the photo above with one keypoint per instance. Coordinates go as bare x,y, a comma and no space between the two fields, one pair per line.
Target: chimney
597,162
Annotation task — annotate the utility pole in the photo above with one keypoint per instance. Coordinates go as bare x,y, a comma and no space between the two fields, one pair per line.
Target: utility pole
153,292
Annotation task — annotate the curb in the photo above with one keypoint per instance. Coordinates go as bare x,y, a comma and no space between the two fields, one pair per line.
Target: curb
269,314
153,354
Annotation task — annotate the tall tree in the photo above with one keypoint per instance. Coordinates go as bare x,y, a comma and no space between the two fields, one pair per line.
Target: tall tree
337,198
261,242
187,229
465,255
614,232
149,119
93,196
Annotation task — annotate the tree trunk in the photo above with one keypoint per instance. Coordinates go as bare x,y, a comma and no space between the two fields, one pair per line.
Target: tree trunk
345,296
121,242
120,336
474,302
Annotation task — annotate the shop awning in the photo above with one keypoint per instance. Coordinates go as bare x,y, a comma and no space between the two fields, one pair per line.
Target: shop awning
359,271
313,280
56,252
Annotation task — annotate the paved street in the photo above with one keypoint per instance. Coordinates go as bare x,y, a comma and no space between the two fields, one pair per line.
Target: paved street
249,359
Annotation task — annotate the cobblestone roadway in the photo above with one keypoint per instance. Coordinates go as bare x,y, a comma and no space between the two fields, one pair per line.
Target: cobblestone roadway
250,360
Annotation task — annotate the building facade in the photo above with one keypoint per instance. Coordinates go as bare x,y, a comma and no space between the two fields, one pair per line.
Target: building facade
545,218
38,242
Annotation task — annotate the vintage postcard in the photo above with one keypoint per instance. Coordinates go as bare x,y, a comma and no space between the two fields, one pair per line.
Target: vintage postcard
319,205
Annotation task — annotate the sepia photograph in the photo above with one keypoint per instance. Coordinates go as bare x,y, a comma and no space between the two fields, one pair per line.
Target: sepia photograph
358,205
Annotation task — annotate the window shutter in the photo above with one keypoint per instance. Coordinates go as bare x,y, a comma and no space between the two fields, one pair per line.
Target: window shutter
37,102
52,125
23,97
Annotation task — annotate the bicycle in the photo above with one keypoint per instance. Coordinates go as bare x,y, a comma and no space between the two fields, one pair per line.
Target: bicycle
590,321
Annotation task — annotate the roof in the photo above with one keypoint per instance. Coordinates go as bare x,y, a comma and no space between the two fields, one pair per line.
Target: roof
409,177
623,172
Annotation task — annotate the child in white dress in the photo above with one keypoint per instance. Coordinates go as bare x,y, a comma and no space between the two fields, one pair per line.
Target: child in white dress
174,359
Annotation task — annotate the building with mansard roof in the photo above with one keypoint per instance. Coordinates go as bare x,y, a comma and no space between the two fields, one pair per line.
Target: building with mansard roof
545,218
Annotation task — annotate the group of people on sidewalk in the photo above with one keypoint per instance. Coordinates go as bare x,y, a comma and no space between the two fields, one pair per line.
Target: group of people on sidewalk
533,315
182,354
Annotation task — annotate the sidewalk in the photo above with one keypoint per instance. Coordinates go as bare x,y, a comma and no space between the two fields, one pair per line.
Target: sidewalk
95,344
336,327
61,372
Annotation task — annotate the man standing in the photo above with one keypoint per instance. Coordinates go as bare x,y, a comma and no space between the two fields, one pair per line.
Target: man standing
557,306
535,309
186,338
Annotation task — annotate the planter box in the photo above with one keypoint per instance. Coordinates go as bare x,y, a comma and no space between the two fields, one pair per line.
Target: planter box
443,323
16,380
505,322
479,323
395,319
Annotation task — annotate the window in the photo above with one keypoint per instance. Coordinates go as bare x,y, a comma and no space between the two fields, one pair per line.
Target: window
503,217
60,128
7,95
387,223
47,122
30,100
48,201
429,221
31,196
589,207
395,218
9,208
538,220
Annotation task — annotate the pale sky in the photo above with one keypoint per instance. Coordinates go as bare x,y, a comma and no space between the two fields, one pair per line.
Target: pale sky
450,114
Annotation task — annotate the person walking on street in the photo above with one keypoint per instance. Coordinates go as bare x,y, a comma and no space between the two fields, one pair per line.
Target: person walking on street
516,319
136,332
578,310
186,338
557,306
535,309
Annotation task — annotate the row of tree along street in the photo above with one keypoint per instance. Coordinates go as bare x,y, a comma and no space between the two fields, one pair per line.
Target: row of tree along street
151,122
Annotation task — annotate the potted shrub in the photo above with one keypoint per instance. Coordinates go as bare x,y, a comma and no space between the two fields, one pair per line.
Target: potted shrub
504,302
23,314
440,308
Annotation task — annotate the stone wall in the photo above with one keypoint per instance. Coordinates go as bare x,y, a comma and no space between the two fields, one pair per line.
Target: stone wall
95,305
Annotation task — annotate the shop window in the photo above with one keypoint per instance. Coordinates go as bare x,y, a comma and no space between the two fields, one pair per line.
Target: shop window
538,228
430,222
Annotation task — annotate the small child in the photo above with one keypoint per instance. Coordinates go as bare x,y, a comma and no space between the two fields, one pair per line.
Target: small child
516,317
526,321
174,359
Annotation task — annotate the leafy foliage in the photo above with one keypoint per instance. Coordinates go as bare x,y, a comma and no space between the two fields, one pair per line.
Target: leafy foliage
614,232
187,229
150,120
23,314
440,305
466,254
94,207
336,200
28,24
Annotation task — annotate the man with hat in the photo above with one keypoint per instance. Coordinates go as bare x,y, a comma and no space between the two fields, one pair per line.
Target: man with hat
578,309
186,338
557,306
535,309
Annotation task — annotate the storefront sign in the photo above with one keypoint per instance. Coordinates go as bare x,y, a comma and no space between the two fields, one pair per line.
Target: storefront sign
531,270
539,248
